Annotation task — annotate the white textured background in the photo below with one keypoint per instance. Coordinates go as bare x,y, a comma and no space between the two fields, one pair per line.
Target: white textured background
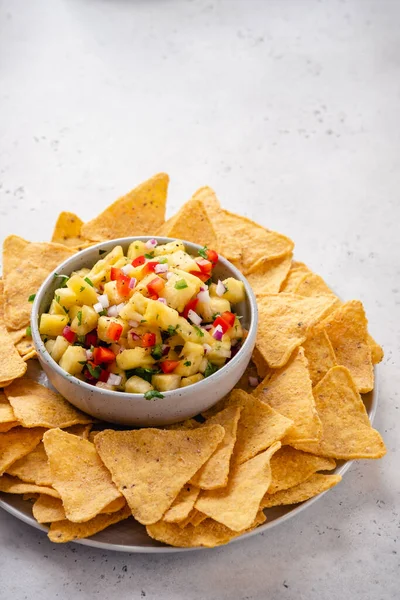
290,110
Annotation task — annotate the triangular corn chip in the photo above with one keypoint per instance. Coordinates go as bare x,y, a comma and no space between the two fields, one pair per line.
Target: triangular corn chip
313,486
150,466
236,506
284,320
65,531
319,353
79,475
313,285
289,391
291,467
48,509
13,485
35,405
141,212
376,350
16,443
6,412
33,468
268,276
11,364
296,274
347,432
67,230
182,505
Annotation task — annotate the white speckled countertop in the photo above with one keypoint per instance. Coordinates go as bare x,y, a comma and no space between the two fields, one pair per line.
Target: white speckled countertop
290,110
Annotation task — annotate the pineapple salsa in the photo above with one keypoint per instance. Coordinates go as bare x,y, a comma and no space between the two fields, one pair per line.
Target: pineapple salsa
145,323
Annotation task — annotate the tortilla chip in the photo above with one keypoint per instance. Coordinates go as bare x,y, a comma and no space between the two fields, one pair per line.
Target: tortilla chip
11,364
289,391
376,350
244,381
319,353
214,473
37,406
313,486
262,367
7,426
197,517
13,485
150,466
67,230
6,411
33,468
259,425
17,335
182,505
82,431
25,346
191,223
296,274
78,474
347,432
237,505
50,510
17,443
141,212
291,467
65,531
313,285
26,266
206,534
284,320
347,330
269,275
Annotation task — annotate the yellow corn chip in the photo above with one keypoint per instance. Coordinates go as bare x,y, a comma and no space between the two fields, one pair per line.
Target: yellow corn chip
67,230
7,426
313,486
319,353
150,466
206,534
214,473
347,432
33,468
83,431
78,474
141,212
291,467
16,443
284,320
11,364
289,391
243,383
347,330
197,517
236,506
268,276
37,406
13,485
48,509
26,266
66,531
259,425
6,411
296,274
313,285
376,350
260,363
25,347
182,505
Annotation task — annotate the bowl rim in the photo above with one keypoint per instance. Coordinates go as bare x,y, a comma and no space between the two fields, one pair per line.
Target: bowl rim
65,266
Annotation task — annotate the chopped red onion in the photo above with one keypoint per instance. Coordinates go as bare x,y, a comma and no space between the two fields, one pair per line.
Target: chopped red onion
127,269
103,386
133,323
207,348
218,333
165,349
208,327
132,283
89,354
135,336
194,317
253,381
151,244
120,307
225,353
114,379
221,289
169,275
204,296
161,268
112,311
162,300
98,307
103,299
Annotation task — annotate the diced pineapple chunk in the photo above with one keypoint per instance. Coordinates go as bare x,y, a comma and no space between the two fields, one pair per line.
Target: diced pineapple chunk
50,345
85,320
110,288
137,248
142,285
169,248
52,324
59,347
137,385
183,261
191,357
192,333
161,315
130,314
205,311
104,323
218,353
73,360
84,292
56,309
165,382
235,290
73,311
180,288
219,305
236,331
134,358
66,297
203,365
185,381
139,302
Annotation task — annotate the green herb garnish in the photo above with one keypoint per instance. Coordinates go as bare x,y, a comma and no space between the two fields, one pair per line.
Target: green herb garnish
28,331
82,288
203,252
94,371
88,281
63,277
57,298
157,351
82,362
215,315
181,284
210,369
102,313
79,317
199,332
31,297
187,363
172,329
162,260
153,394
149,255
143,372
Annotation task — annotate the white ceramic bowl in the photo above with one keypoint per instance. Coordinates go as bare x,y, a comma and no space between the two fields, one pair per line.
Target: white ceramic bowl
134,409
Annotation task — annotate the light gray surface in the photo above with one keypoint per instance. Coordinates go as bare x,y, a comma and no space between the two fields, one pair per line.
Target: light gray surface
289,109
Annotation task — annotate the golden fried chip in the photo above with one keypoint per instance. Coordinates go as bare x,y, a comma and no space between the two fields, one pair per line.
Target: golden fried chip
206,534
16,443
284,320
141,212
48,509
237,505
6,411
7,426
66,531
197,517
67,230
150,466
376,350
289,391
313,486
259,425
78,474
244,382
313,285
291,467
82,431
13,485
268,276
25,347
11,364
17,335
319,353
296,273
26,266
37,406
33,468
214,473
347,432
347,330
182,505
260,363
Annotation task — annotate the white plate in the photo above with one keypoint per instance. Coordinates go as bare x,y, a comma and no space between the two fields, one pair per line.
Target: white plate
130,536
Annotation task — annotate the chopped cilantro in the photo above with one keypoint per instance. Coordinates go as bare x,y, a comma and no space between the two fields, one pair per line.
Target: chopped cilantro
181,284
88,281
187,363
210,369
143,321
143,372
157,351
82,288
57,297
199,332
172,329
28,331
239,317
153,394
203,252
102,313
66,309
215,315
162,260
149,255
82,362
95,371
31,297
63,277
79,317
209,281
